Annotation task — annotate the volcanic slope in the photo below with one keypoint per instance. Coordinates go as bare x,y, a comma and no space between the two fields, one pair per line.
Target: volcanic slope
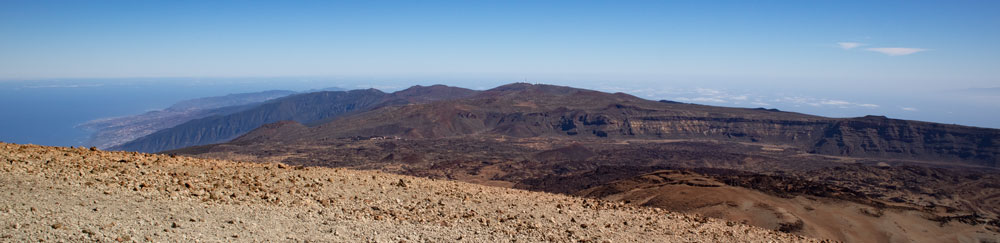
941,180
526,110
317,107
67,194
110,132
814,216
780,190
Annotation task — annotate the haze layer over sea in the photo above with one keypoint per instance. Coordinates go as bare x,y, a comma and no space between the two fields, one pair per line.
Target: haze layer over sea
46,112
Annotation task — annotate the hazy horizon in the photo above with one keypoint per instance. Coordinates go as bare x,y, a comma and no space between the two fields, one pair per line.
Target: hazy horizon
918,60
897,46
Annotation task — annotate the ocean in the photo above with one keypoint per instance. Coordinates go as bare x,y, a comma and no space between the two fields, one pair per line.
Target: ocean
46,112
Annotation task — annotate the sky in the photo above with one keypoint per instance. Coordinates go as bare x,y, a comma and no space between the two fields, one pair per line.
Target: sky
906,59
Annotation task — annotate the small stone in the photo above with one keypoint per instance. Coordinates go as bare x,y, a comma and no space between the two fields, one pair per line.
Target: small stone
88,232
57,226
175,225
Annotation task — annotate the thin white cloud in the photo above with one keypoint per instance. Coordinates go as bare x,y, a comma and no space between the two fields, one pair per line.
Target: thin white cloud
701,99
834,102
793,100
823,102
909,109
896,51
849,45
706,95
705,91
385,88
708,99
64,86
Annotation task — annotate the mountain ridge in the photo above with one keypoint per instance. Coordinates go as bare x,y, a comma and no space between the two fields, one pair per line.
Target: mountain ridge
525,110
308,108
771,168
111,132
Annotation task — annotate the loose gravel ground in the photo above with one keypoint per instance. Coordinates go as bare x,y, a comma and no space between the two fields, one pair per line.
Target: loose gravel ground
76,194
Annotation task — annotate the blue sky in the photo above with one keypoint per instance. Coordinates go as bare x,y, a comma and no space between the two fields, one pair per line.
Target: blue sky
890,54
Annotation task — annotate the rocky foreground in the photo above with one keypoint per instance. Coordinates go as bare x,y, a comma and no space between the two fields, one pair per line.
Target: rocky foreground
75,194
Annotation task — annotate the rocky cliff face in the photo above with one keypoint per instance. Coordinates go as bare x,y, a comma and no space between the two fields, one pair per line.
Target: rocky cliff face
870,136
876,137
873,136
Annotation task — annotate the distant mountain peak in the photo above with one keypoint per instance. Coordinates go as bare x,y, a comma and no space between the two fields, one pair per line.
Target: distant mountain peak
420,93
545,88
